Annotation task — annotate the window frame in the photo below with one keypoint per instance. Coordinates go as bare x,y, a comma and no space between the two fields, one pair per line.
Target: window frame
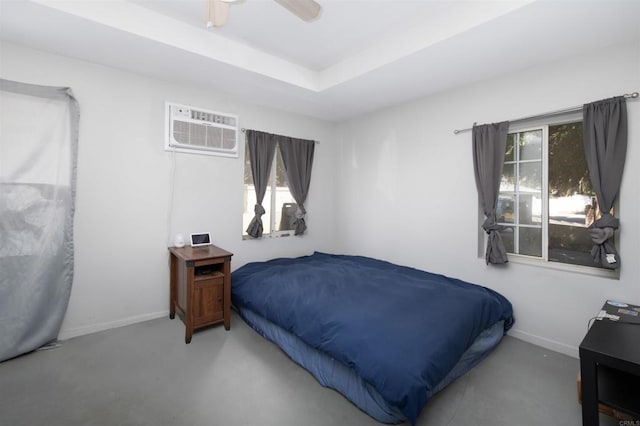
544,165
543,261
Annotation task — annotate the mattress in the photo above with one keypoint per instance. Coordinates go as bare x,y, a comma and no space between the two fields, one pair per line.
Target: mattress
332,374
401,330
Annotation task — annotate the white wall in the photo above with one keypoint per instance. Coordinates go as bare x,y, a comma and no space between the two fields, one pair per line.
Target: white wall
408,193
123,199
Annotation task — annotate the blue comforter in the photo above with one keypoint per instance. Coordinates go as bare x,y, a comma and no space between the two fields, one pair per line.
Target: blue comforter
402,330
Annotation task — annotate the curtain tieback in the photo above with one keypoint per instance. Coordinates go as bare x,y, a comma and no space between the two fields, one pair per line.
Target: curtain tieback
495,252
607,221
490,225
600,235
603,228
300,212
603,251
259,210
300,225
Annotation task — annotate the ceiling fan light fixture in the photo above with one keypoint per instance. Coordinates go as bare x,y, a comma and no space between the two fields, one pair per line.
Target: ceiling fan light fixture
217,12
307,10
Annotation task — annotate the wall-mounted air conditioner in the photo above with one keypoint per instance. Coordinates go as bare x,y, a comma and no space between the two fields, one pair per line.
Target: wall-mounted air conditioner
198,131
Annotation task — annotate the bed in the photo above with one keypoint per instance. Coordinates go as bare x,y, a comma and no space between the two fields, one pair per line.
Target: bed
387,337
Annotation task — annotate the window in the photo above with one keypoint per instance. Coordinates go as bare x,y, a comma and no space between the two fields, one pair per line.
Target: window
546,201
278,202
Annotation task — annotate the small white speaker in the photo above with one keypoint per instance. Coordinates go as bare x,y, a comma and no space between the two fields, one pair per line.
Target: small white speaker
179,240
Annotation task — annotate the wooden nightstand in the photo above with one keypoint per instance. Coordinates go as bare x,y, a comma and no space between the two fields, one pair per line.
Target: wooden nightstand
200,287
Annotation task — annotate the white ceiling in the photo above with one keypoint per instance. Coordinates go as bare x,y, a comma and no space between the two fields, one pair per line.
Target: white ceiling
344,29
360,55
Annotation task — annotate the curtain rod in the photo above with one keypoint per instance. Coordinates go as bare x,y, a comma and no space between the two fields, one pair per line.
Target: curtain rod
561,111
243,130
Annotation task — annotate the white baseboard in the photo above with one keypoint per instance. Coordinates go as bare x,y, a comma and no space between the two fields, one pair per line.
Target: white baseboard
545,343
94,328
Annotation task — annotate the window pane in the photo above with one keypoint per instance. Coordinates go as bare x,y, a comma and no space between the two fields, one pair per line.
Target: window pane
281,175
568,172
285,210
572,210
530,209
507,235
248,176
520,201
530,241
572,202
530,144
509,154
570,244
249,199
249,205
530,178
249,193
507,183
285,206
505,211
266,218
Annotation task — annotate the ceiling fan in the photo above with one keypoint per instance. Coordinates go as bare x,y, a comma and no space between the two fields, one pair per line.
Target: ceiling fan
218,10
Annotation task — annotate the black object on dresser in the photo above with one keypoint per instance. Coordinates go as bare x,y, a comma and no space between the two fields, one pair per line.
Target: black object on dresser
610,363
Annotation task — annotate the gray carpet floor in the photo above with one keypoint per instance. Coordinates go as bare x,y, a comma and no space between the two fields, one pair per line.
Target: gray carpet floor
144,374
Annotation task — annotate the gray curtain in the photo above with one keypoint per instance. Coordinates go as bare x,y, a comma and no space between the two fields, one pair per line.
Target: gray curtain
297,156
38,151
262,147
489,144
605,147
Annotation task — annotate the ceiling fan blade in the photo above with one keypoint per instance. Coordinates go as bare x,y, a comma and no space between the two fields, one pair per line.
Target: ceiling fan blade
307,10
217,12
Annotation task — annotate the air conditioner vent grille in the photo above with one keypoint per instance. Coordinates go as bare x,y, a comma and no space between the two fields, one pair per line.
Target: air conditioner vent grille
200,131
213,118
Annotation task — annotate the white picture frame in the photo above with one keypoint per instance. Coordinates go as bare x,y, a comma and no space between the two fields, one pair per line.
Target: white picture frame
200,239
